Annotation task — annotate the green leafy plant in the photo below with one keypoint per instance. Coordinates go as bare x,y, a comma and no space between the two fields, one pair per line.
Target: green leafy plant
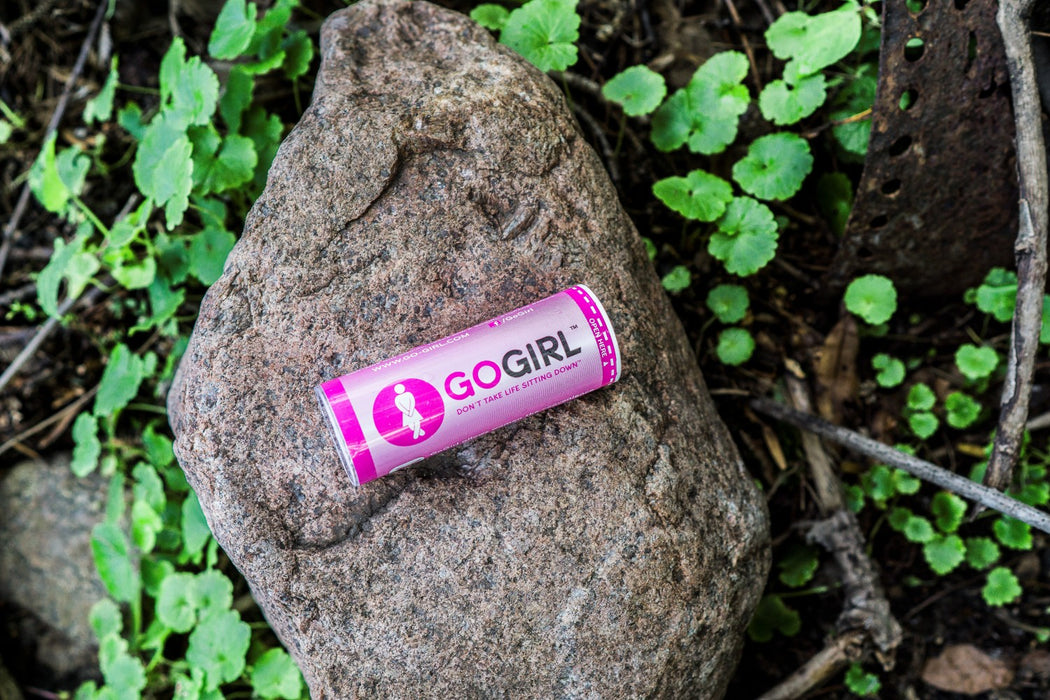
677,279
773,615
746,239
199,156
705,113
918,410
735,346
974,362
890,370
543,31
638,89
861,682
1001,588
798,566
774,167
699,195
872,297
728,302
961,410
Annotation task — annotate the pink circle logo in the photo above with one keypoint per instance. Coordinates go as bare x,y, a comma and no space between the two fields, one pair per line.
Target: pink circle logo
408,412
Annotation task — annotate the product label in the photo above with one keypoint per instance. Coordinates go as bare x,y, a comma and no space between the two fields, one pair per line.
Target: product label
441,394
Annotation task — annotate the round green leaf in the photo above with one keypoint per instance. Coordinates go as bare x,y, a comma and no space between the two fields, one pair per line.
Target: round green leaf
699,195
735,346
976,362
544,32
105,618
981,552
86,446
997,295
1013,533
212,590
944,553
918,529
137,274
208,251
815,41
948,511
109,545
961,410
490,16
233,31
677,279
728,302
774,167
860,682
175,606
783,103
218,645
921,397
798,566
772,614
639,90
705,113
891,370
1001,588
746,238
872,297
923,424
275,675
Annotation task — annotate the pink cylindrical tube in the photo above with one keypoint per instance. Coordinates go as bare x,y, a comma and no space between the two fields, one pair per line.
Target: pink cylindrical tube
428,399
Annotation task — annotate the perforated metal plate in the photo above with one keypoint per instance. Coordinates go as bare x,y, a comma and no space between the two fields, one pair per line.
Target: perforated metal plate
937,201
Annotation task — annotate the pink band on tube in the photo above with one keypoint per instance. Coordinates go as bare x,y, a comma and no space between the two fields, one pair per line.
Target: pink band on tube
355,455
438,395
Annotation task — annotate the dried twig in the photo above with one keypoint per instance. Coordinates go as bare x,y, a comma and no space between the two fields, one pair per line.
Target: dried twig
1030,248
913,465
56,117
42,334
834,657
866,617
755,75
62,417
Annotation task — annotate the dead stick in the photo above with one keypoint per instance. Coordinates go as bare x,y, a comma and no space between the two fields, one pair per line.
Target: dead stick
913,465
747,44
866,616
60,416
1030,248
829,491
42,334
866,607
56,117
834,657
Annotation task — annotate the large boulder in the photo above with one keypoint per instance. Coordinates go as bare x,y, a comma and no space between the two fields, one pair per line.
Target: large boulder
48,580
613,546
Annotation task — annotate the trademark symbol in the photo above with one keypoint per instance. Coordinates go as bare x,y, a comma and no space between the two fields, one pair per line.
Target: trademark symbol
573,327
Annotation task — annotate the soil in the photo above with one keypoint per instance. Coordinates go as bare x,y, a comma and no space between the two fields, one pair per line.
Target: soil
792,316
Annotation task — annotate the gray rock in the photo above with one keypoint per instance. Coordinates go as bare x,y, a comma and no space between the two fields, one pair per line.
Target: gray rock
610,547
46,565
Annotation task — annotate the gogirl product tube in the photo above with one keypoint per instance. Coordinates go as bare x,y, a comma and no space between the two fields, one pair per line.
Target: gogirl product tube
428,399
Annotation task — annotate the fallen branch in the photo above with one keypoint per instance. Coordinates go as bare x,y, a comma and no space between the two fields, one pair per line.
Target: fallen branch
62,416
1030,248
913,465
866,617
56,117
834,657
42,333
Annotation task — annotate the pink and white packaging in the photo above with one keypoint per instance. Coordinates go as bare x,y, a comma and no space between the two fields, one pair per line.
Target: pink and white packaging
438,395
